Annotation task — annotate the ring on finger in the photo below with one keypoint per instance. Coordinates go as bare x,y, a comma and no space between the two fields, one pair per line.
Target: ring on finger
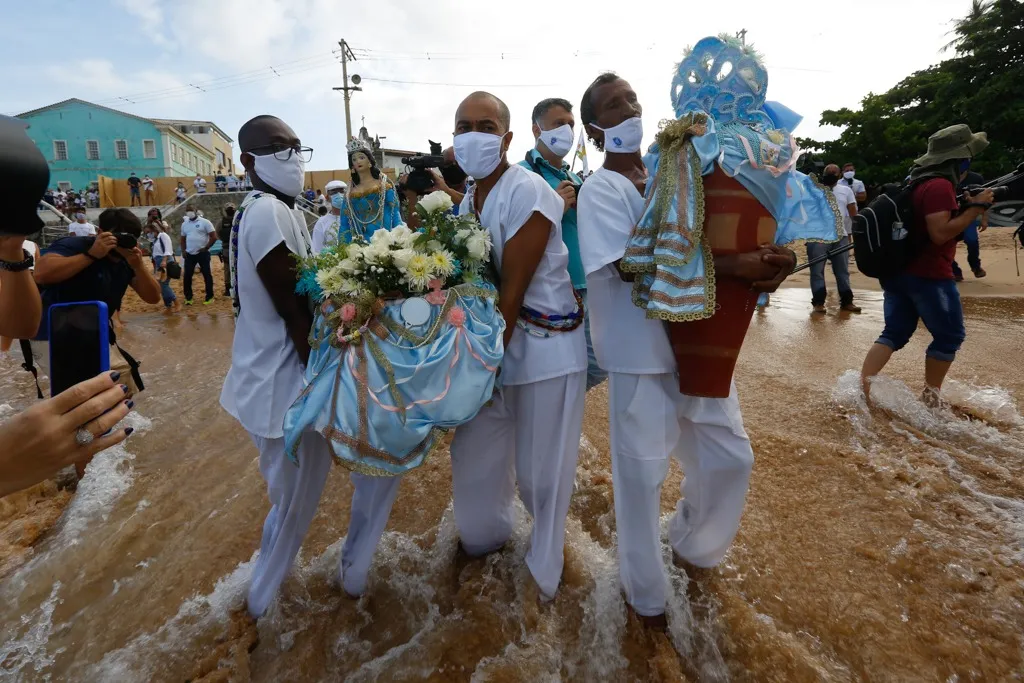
83,437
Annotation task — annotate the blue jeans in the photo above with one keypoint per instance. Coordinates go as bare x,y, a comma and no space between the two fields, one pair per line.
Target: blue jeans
909,298
165,285
595,375
840,268
973,250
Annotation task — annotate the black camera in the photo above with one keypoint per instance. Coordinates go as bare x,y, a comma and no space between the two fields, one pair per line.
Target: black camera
420,179
126,240
1000,192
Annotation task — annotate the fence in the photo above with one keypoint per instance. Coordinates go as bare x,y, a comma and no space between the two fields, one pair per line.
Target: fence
115,192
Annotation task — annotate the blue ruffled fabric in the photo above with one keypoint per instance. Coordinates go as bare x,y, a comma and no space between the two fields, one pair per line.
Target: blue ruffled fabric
749,140
389,441
366,207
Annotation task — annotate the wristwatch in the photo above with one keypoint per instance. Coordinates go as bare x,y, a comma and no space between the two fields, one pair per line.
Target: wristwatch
18,266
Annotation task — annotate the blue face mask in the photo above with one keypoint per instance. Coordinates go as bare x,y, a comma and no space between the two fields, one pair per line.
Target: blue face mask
965,165
337,200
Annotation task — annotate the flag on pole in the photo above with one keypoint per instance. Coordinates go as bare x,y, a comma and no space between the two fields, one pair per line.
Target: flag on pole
581,154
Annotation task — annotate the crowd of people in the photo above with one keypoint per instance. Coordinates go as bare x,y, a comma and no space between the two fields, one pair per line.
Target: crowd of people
558,245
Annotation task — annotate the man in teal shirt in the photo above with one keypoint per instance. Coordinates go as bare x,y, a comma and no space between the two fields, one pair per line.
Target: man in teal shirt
553,125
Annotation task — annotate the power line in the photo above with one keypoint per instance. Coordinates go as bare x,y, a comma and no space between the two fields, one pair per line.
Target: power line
463,85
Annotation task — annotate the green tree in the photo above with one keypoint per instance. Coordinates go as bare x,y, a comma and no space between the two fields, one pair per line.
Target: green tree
982,85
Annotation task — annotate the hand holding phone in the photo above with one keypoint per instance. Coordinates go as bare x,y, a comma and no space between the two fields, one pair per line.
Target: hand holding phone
79,343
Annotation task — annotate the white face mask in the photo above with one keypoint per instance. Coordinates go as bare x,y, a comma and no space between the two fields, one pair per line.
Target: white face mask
624,138
478,154
558,140
191,215
80,217
849,175
284,176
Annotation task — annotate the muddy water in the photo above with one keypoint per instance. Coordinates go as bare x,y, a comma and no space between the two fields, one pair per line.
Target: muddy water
883,544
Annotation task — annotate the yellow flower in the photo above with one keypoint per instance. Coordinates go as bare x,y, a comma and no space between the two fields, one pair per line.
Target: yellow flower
442,262
419,272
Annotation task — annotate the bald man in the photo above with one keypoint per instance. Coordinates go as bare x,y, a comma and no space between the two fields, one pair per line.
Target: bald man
271,345
529,434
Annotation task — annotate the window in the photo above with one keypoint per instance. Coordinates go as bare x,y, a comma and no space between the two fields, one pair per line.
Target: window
174,153
149,149
92,150
221,161
60,150
63,185
120,149
188,160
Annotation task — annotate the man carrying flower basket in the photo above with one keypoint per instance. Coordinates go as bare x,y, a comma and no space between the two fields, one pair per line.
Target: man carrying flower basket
530,433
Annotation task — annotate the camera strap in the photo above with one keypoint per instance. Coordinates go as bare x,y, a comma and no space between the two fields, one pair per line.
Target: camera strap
29,365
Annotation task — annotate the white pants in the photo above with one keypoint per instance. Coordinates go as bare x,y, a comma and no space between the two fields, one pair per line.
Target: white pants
372,498
650,422
294,495
530,433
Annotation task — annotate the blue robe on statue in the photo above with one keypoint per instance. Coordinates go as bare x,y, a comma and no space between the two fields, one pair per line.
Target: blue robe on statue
363,214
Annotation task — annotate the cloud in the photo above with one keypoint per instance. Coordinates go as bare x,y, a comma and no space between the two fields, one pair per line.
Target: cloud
151,17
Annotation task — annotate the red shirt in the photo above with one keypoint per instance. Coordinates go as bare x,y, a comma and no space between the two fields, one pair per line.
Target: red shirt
935,260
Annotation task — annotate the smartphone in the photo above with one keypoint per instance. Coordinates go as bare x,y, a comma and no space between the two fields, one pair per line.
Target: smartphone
79,343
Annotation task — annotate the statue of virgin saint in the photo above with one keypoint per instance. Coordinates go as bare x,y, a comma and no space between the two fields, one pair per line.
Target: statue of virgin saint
371,203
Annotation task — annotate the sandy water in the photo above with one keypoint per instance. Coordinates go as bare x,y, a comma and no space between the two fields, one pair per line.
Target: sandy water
883,544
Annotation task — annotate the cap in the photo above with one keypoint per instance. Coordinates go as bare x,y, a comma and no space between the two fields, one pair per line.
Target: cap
334,185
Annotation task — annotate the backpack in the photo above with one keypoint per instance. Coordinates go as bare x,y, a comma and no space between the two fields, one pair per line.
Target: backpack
883,244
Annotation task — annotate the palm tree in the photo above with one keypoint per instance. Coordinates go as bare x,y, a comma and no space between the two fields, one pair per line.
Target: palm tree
964,28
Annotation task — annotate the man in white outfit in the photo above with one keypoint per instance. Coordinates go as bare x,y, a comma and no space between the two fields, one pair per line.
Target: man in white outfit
325,231
271,346
650,420
530,432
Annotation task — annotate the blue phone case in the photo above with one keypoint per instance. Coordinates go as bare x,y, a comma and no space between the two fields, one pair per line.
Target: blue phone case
104,330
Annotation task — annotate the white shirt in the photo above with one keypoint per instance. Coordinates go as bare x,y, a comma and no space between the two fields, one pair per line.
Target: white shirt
200,184
625,339
517,196
325,232
265,376
82,229
162,245
232,182
147,183
30,247
845,197
858,185
180,192
196,233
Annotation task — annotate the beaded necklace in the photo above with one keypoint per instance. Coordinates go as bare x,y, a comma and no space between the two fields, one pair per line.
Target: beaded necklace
236,303
357,224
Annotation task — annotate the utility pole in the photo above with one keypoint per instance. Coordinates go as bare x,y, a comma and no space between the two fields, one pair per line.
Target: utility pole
742,35
346,54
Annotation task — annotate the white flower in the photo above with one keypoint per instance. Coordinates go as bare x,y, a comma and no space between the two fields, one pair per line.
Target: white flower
479,245
464,234
434,245
401,258
442,263
349,266
401,235
435,201
350,286
380,237
330,279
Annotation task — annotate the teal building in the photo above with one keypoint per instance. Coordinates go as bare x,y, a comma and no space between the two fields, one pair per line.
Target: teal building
81,141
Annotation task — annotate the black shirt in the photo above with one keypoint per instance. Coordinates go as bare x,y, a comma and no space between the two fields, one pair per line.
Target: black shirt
134,181
105,280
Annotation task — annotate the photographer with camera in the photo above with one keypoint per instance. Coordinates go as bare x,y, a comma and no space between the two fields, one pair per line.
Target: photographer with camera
434,172
926,289
99,268
553,130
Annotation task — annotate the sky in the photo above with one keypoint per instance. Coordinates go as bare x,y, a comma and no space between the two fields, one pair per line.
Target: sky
229,60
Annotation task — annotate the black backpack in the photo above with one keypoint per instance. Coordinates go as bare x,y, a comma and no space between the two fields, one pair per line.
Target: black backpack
883,244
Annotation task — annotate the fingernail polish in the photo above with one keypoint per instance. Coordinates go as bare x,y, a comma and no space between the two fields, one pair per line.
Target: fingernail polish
130,404
115,375
124,388
128,431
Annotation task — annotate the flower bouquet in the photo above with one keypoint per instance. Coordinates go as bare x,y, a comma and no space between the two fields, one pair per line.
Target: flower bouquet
406,340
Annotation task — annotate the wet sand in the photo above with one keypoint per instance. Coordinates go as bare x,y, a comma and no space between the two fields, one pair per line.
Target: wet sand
882,544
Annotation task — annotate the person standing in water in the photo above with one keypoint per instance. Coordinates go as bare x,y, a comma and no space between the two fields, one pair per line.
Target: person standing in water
530,433
926,291
271,344
651,421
